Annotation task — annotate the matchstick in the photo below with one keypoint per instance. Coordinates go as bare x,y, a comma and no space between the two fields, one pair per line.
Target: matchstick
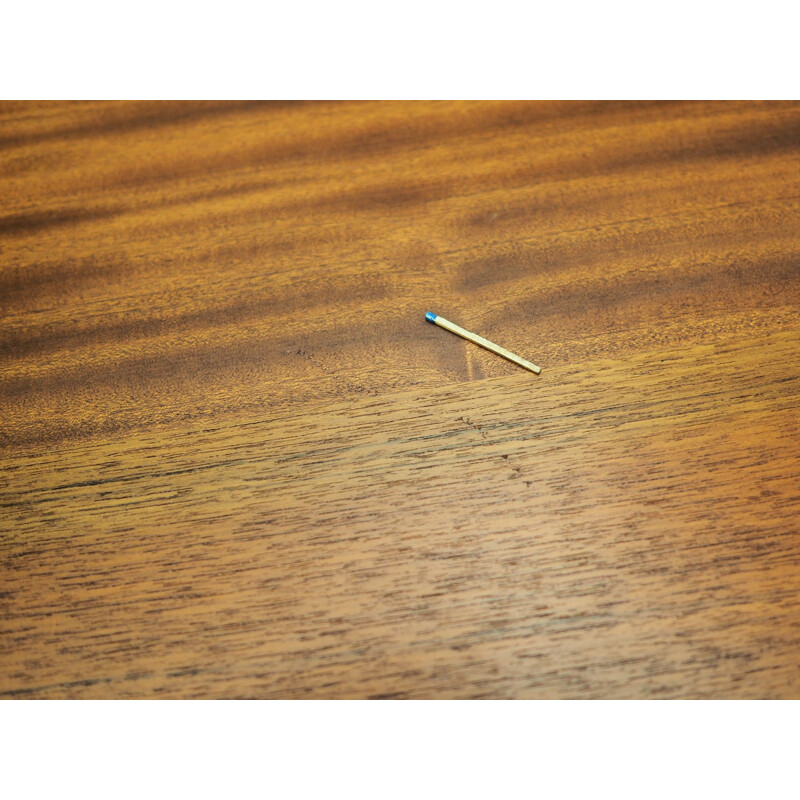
473,337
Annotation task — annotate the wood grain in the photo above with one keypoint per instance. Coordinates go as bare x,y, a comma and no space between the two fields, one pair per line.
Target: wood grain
236,461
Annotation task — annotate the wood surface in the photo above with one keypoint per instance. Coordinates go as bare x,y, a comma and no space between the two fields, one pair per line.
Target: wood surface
235,461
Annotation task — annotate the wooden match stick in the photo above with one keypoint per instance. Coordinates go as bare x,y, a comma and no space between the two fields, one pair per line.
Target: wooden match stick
473,337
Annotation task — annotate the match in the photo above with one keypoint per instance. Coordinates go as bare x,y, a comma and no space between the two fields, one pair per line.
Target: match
473,337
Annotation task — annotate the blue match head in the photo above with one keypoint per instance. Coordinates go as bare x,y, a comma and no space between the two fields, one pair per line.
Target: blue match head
430,316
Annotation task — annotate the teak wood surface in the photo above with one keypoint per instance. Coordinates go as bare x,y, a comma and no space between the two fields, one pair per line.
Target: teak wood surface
237,462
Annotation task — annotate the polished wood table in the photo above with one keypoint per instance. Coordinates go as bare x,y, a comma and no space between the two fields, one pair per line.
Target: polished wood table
237,462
